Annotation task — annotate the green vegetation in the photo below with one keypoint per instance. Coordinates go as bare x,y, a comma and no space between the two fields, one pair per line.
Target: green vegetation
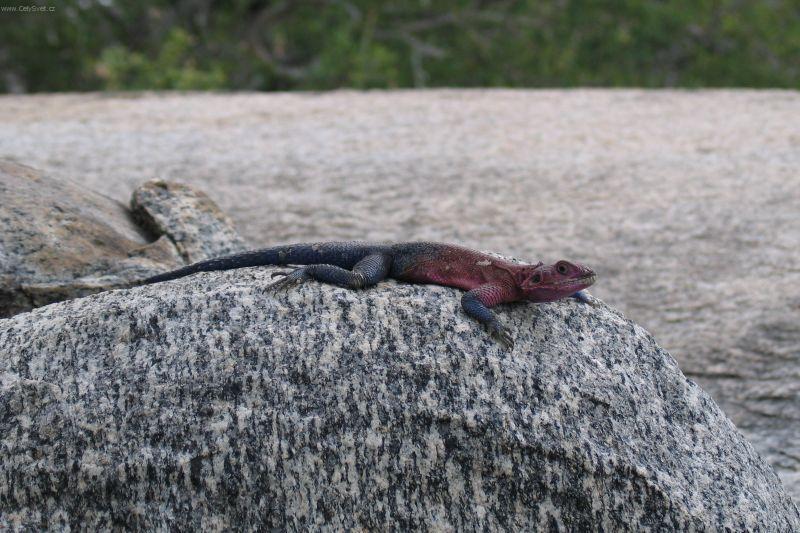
325,44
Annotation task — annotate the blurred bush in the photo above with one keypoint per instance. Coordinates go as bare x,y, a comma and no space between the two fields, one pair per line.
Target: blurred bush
324,44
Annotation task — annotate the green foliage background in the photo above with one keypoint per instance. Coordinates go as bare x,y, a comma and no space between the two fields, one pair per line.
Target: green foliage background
326,44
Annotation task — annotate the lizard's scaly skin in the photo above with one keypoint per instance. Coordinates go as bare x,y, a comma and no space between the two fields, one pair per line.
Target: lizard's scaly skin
488,280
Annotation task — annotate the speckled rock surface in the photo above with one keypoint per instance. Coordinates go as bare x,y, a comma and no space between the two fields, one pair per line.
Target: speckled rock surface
59,240
188,217
684,202
209,403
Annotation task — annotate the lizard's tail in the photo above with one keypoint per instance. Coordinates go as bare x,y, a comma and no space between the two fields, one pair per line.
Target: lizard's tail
228,262
343,254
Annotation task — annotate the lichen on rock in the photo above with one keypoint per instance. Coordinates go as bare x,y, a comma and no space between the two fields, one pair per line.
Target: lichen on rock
212,403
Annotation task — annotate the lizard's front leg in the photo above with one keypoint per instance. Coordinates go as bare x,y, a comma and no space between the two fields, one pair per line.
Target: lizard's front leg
585,297
476,303
367,272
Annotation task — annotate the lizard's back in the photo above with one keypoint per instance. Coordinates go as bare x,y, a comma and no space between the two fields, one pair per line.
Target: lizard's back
447,264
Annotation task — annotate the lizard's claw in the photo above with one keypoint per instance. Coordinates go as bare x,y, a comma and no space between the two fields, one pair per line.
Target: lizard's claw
295,277
503,335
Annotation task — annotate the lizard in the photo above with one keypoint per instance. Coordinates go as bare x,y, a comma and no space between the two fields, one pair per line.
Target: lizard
487,279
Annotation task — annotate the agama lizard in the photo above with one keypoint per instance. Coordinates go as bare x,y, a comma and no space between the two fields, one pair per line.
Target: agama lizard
487,279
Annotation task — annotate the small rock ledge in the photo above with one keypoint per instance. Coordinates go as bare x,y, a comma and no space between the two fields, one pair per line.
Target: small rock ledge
211,403
60,240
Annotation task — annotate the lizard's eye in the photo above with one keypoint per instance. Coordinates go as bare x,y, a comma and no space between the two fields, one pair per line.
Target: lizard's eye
562,268
536,278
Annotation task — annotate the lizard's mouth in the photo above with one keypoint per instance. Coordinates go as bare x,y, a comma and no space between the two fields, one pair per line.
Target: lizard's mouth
587,280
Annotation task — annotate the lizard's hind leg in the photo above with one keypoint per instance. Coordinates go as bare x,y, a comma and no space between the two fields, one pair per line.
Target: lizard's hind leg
367,272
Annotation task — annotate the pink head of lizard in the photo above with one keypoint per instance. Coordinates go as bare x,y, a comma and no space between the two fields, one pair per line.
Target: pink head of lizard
547,283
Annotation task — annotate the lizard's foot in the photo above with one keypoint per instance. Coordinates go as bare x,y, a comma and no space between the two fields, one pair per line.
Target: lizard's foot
503,335
295,277
585,297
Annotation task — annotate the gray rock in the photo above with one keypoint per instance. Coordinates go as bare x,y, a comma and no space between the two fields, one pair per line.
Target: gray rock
59,240
191,220
210,403
684,202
